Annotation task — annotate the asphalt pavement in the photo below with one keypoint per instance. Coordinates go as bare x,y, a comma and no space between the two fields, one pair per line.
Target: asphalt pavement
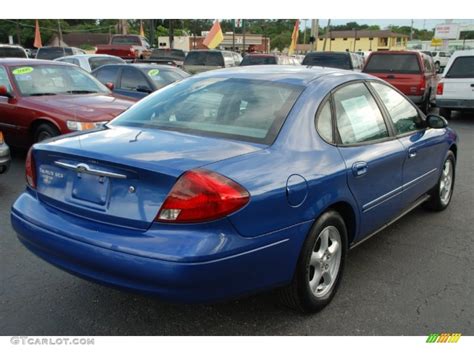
414,278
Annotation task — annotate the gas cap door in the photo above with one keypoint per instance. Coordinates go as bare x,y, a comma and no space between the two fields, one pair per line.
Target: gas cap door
296,190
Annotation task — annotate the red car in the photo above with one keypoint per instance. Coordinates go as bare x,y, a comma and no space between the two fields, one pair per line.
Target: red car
128,47
411,72
41,99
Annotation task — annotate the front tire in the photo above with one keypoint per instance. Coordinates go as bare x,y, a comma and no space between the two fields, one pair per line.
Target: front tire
320,265
441,194
45,131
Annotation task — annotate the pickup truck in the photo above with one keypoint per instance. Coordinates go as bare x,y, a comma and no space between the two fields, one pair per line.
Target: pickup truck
128,47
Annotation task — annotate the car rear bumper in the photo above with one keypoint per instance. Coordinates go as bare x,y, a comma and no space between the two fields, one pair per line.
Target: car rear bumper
4,158
264,263
455,104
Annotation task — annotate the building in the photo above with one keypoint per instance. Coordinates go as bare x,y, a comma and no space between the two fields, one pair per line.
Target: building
253,43
362,40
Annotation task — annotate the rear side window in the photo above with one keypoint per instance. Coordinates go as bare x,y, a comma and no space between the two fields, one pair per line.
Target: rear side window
324,122
204,59
96,62
107,75
404,116
462,67
132,79
12,52
331,60
258,60
357,115
393,63
4,81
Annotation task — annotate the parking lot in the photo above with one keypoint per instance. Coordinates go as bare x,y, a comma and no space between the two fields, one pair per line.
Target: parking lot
414,278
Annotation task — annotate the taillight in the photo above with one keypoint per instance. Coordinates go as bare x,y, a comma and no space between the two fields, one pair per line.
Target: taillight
440,88
202,195
30,169
423,83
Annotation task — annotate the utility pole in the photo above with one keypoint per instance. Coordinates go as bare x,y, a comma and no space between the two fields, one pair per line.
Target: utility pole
304,32
355,39
18,32
152,32
60,34
243,37
233,35
171,33
411,31
328,31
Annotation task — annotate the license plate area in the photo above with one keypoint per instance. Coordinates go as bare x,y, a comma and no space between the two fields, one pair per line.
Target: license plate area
91,188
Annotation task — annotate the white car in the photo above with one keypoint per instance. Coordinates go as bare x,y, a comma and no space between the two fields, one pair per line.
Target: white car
455,90
90,62
440,59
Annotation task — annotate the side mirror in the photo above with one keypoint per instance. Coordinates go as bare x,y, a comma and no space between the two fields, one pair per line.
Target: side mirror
143,88
436,121
110,86
4,92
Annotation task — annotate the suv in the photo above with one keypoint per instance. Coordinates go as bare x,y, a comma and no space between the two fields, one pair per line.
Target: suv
51,53
12,51
199,61
340,60
411,72
440,59
455,90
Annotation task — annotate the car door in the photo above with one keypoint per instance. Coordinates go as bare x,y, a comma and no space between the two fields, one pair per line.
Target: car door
133,83
424,146
107,74
373,157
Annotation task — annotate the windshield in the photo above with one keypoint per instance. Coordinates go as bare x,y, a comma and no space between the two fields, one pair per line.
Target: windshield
397,63
243,109
331,60
12,52
168,54
258,60
96,62
53,52
204,58
463,67
38,80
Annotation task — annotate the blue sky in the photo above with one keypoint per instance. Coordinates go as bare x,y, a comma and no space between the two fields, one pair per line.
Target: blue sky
417,23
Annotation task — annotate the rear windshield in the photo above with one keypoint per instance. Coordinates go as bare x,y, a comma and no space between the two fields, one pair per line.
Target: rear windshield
258,60
163,77
53,52
463,67
393,63
96,62
173,54
211,59
12,52
331,60
242,109
132,40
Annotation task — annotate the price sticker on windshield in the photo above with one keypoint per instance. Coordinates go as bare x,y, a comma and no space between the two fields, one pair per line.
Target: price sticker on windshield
153,72
22,71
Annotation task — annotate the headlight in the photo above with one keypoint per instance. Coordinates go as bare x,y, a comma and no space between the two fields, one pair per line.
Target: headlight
82,126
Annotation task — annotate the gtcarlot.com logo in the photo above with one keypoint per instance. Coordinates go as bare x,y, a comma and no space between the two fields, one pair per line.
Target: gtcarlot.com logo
443,338
24,340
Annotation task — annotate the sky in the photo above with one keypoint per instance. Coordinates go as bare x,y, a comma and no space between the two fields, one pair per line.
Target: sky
417,23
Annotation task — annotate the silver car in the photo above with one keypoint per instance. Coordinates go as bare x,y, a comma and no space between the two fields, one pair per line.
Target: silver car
90,62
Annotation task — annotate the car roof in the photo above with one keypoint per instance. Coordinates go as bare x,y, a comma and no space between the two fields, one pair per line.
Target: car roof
464,53
88,56
140,66
290,74
25,61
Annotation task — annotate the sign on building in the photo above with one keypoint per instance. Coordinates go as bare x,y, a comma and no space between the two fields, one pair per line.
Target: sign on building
436,42
447,31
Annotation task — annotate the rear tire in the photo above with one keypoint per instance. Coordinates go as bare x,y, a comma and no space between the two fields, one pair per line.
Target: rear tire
320,265
445,112
441,194
45,131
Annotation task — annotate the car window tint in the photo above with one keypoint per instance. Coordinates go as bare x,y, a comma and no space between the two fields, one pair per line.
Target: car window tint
463,67
204,58
324,122
107,75
397,63
131,79
404,116
258,60
357,115
4,81
96,62
331,60
12,52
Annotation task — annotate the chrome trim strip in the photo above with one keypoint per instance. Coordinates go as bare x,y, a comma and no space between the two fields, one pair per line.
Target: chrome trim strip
85,169
395,192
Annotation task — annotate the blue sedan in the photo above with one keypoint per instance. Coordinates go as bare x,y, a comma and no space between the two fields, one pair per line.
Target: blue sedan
236,181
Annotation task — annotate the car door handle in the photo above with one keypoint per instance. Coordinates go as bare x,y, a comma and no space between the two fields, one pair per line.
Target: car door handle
411,153
359,168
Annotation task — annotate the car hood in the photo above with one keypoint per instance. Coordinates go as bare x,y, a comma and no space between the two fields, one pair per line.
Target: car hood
94,107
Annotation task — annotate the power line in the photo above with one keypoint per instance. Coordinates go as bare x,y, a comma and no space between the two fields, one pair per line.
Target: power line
55,29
